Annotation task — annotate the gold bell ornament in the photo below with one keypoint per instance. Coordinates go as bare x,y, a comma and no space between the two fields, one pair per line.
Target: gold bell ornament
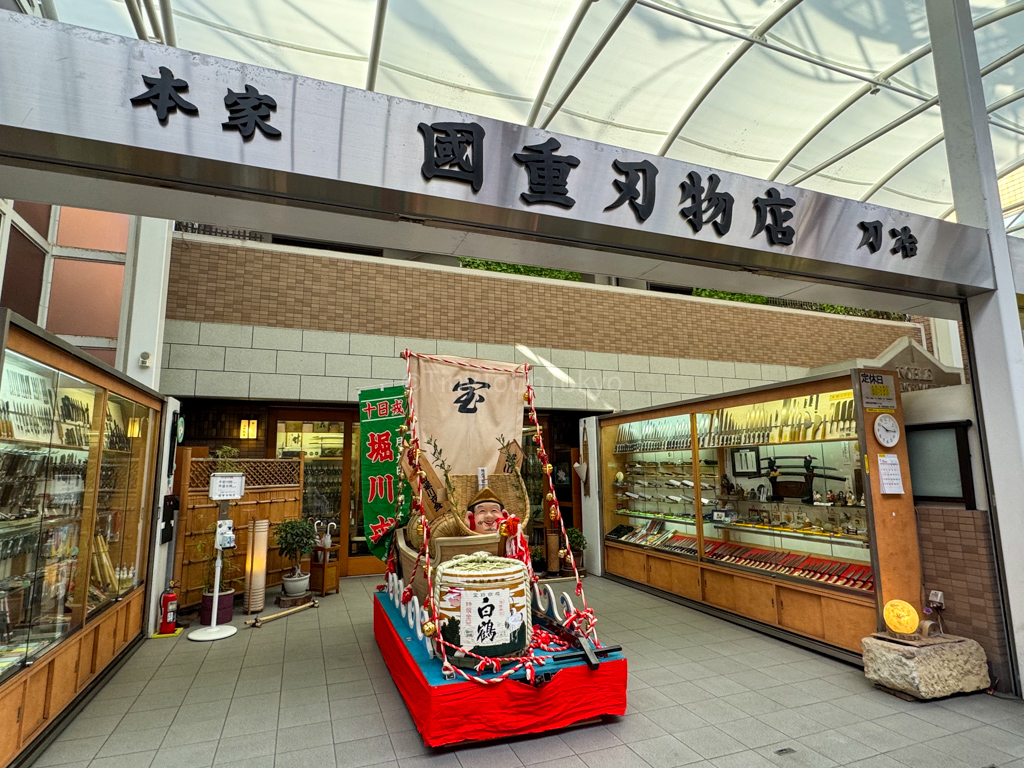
429,629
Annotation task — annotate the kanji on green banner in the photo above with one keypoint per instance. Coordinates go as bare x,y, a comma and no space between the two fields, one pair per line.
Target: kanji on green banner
381,413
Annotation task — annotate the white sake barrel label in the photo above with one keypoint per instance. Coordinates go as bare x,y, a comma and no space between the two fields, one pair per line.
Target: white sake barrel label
483,615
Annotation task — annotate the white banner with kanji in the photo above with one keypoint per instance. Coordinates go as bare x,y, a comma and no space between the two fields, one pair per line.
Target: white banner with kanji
467,406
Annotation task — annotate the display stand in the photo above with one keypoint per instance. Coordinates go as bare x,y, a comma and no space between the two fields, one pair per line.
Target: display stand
224,486
324,576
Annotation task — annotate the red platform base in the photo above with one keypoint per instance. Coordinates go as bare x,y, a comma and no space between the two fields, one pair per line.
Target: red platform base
453,712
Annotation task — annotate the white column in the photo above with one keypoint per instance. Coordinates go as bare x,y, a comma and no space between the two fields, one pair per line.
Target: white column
995,344
144,299
946,342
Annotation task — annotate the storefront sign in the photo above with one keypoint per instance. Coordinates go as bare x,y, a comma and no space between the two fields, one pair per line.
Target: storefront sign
381,413
878,391
172,120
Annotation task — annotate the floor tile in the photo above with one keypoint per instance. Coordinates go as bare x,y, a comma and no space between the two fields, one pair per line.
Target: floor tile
488,756
614,757
186,756
589,738
136,741
666,752
364,752
711,742
69,751
540,749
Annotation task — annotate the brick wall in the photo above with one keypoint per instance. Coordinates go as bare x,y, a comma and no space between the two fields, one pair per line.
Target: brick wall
218,282
956,552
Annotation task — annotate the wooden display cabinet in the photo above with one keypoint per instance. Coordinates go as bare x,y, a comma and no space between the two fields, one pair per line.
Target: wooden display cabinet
77,466
766,504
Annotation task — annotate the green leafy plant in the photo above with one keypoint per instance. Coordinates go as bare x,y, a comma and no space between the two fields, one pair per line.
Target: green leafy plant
296,538
577,541
224,459
520,269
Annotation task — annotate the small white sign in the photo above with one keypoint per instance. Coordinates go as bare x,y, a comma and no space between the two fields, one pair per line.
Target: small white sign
878,391
890,478
484,617
227,485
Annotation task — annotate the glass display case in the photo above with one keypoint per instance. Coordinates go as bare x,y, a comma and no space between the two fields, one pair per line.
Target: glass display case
764,494
68,501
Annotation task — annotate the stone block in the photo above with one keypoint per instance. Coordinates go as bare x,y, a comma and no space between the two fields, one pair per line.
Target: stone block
354,385
618,381
773,372
664,365
349,365
424,346
328,389
664,398
504,353
325,341
927,671
722,369
378,346
693,367
571,358
569,399
225,335
650,382
683,385
605,400
251,360
304,363
748,371
196,357
388,368
457,348
608,361
632,400
181,332
532,355
277,338
222,384
178,383
636,363
708,385
274,386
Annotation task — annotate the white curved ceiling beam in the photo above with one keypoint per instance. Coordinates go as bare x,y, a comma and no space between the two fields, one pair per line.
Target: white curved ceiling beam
1015,96
613,26
167,15
982,21
901,120
1006,171
556,60
376,41
722,71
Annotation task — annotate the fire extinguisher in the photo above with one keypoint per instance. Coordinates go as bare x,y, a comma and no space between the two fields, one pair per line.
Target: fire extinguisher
168,610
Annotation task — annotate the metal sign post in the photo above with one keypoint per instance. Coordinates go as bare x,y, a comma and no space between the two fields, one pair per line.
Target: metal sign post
224,486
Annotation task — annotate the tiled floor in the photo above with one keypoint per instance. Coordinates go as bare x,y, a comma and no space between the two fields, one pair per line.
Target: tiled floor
311,690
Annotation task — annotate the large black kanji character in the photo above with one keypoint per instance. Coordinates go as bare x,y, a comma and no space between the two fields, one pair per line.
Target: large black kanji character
454,151
872,236
249,111
772,206
714,207
904,242
642,202
548,174
164,95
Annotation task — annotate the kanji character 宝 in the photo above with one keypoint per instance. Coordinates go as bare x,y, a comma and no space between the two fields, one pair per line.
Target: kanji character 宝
470,397
380,447
164,95
453,151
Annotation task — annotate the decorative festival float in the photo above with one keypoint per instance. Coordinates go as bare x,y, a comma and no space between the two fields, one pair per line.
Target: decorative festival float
479,646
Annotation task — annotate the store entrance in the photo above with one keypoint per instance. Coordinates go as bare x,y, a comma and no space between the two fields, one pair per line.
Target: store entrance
327,440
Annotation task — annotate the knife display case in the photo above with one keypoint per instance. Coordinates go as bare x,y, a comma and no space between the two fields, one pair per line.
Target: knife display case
759,503
76,478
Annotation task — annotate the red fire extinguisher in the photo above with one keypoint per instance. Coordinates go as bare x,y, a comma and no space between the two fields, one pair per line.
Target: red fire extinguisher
168,610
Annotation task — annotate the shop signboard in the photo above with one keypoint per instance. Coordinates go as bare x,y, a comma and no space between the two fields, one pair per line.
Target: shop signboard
381,414
282,136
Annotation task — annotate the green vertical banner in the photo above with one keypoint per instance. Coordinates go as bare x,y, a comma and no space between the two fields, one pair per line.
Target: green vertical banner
381,412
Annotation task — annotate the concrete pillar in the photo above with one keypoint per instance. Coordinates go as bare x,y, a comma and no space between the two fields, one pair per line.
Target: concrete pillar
994,336
144,299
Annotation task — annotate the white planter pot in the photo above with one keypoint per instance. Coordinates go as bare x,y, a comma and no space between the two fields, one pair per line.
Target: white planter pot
296,585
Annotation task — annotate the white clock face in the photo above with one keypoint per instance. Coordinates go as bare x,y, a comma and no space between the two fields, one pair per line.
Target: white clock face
887,430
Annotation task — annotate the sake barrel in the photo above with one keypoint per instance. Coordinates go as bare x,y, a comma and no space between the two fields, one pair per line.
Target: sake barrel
483,606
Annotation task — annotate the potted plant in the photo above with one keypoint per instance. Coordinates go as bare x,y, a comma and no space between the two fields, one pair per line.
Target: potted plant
226,590
538,559
296,538
577,543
